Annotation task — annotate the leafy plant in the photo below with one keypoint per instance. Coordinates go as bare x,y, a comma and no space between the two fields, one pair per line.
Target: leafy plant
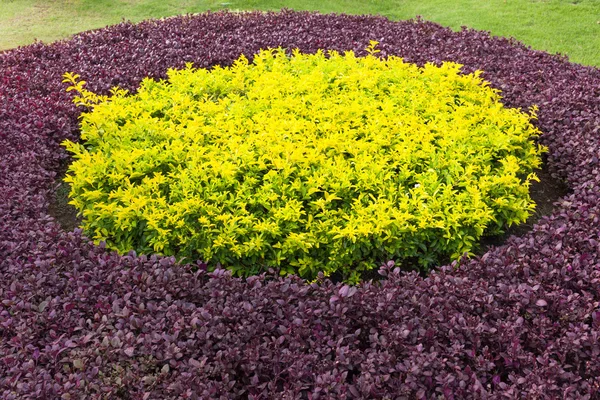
305,163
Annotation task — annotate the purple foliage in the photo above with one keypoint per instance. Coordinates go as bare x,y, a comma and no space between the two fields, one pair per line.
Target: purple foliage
522,321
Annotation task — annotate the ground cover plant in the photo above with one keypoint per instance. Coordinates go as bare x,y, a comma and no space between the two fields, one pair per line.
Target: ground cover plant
305,163
565,26
77,320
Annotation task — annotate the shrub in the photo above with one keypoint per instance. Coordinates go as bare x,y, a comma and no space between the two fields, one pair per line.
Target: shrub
308,163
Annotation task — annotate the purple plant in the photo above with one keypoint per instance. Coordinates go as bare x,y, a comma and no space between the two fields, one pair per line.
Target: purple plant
77,321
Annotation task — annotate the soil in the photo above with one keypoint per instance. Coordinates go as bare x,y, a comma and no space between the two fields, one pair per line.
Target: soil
59,208
545,193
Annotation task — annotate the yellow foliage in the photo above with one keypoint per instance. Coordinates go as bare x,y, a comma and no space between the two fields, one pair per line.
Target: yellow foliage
324,162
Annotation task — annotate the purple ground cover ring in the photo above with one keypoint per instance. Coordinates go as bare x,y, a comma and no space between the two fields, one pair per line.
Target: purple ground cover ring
522,321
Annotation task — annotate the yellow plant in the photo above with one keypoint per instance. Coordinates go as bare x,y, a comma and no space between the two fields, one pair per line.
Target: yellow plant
306,163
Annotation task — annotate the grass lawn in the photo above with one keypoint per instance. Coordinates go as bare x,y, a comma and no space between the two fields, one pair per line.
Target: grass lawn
570,27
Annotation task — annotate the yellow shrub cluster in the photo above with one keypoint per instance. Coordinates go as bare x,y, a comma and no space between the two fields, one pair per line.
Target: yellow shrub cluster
325,162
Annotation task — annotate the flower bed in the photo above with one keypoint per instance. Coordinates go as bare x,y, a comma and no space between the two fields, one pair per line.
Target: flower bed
522,321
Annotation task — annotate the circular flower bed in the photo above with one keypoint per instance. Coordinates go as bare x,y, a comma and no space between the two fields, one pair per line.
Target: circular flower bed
77,320
304,163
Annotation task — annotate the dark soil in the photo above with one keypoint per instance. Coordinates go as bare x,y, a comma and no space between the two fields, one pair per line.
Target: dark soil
59,208
545,193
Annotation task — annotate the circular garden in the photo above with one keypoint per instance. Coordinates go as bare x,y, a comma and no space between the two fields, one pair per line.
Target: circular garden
78,319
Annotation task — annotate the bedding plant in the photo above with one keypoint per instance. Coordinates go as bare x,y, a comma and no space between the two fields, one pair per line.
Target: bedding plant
78,320
305,163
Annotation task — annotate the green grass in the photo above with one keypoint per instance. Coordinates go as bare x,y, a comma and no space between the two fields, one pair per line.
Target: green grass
570,27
